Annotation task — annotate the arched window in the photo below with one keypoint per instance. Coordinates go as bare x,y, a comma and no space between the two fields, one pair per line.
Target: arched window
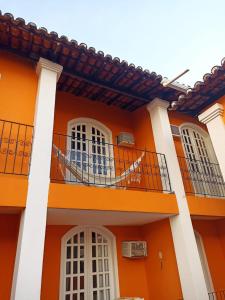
90,148
201,160
89,264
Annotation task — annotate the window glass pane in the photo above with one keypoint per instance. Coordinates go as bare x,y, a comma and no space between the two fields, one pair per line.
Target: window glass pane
100,280
68,284
68,252
93,237
74,283
82,237
93,251
94,266
81,266
94,281
75,251
82,282
75,267
81,251
100,267
95,295
99,251
68,267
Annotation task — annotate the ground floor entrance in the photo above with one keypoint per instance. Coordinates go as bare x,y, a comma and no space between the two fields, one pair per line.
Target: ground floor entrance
88,264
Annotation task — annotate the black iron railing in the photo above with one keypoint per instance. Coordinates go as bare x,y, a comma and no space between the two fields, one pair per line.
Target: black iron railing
94,162
220,295
202,177
15,147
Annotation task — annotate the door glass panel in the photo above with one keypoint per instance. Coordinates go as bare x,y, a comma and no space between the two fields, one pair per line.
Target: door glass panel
75,254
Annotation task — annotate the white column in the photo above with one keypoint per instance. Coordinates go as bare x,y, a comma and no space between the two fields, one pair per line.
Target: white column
30,248
213,118
188,260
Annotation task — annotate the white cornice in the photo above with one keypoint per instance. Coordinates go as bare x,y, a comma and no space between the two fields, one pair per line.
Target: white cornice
211,113
49,65
157,102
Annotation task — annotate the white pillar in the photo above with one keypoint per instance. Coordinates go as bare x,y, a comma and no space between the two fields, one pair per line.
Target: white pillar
29,257
188,260
213,118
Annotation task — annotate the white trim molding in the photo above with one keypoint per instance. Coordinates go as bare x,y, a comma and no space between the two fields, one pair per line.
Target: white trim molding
213,118
30,248
188,260
211,113
48,65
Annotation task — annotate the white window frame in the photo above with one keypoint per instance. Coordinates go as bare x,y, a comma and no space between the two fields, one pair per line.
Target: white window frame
112,250
108,137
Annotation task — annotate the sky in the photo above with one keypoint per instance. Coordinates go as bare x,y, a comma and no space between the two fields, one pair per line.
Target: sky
164,36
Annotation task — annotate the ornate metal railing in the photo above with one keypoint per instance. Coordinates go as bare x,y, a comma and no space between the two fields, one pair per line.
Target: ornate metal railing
15,147
219,295
93,162
202,177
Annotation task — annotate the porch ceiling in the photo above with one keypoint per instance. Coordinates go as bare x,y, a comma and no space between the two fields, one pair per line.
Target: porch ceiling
86,72
97,217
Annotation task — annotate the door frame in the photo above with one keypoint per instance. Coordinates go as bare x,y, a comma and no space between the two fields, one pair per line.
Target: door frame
204,259
112,249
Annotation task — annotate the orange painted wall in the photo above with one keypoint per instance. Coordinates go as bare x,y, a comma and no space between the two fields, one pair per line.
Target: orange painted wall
69,107
139,277
214,251
162,278
9,226
220,224
18,87
127,269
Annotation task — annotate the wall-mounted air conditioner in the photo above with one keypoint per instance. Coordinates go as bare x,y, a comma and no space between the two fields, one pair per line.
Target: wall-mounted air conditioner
134,249
175,130
125,139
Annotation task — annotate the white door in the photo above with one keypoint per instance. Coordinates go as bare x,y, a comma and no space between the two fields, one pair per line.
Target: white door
90,150
202,164
87,266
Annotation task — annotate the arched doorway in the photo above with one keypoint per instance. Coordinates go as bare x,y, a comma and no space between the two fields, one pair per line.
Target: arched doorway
89,264
201,161
90,149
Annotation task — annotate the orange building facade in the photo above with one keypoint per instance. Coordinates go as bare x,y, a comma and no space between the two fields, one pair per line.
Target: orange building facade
112,185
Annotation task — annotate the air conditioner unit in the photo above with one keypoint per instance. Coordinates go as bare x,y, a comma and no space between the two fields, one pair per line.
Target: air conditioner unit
175,130
134,249
125,139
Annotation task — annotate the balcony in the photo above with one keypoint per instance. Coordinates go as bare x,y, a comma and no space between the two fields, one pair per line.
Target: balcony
81,161
15,147
202,178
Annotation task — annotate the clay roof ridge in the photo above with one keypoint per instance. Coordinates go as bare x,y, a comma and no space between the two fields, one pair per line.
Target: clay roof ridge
64,39
199,85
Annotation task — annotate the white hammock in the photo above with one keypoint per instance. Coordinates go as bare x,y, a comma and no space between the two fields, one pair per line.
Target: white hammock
86,178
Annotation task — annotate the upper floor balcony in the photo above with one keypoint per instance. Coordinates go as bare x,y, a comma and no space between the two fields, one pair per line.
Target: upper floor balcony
84,158
79,160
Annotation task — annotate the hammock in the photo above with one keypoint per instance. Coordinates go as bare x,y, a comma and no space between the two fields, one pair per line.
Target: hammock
92,178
